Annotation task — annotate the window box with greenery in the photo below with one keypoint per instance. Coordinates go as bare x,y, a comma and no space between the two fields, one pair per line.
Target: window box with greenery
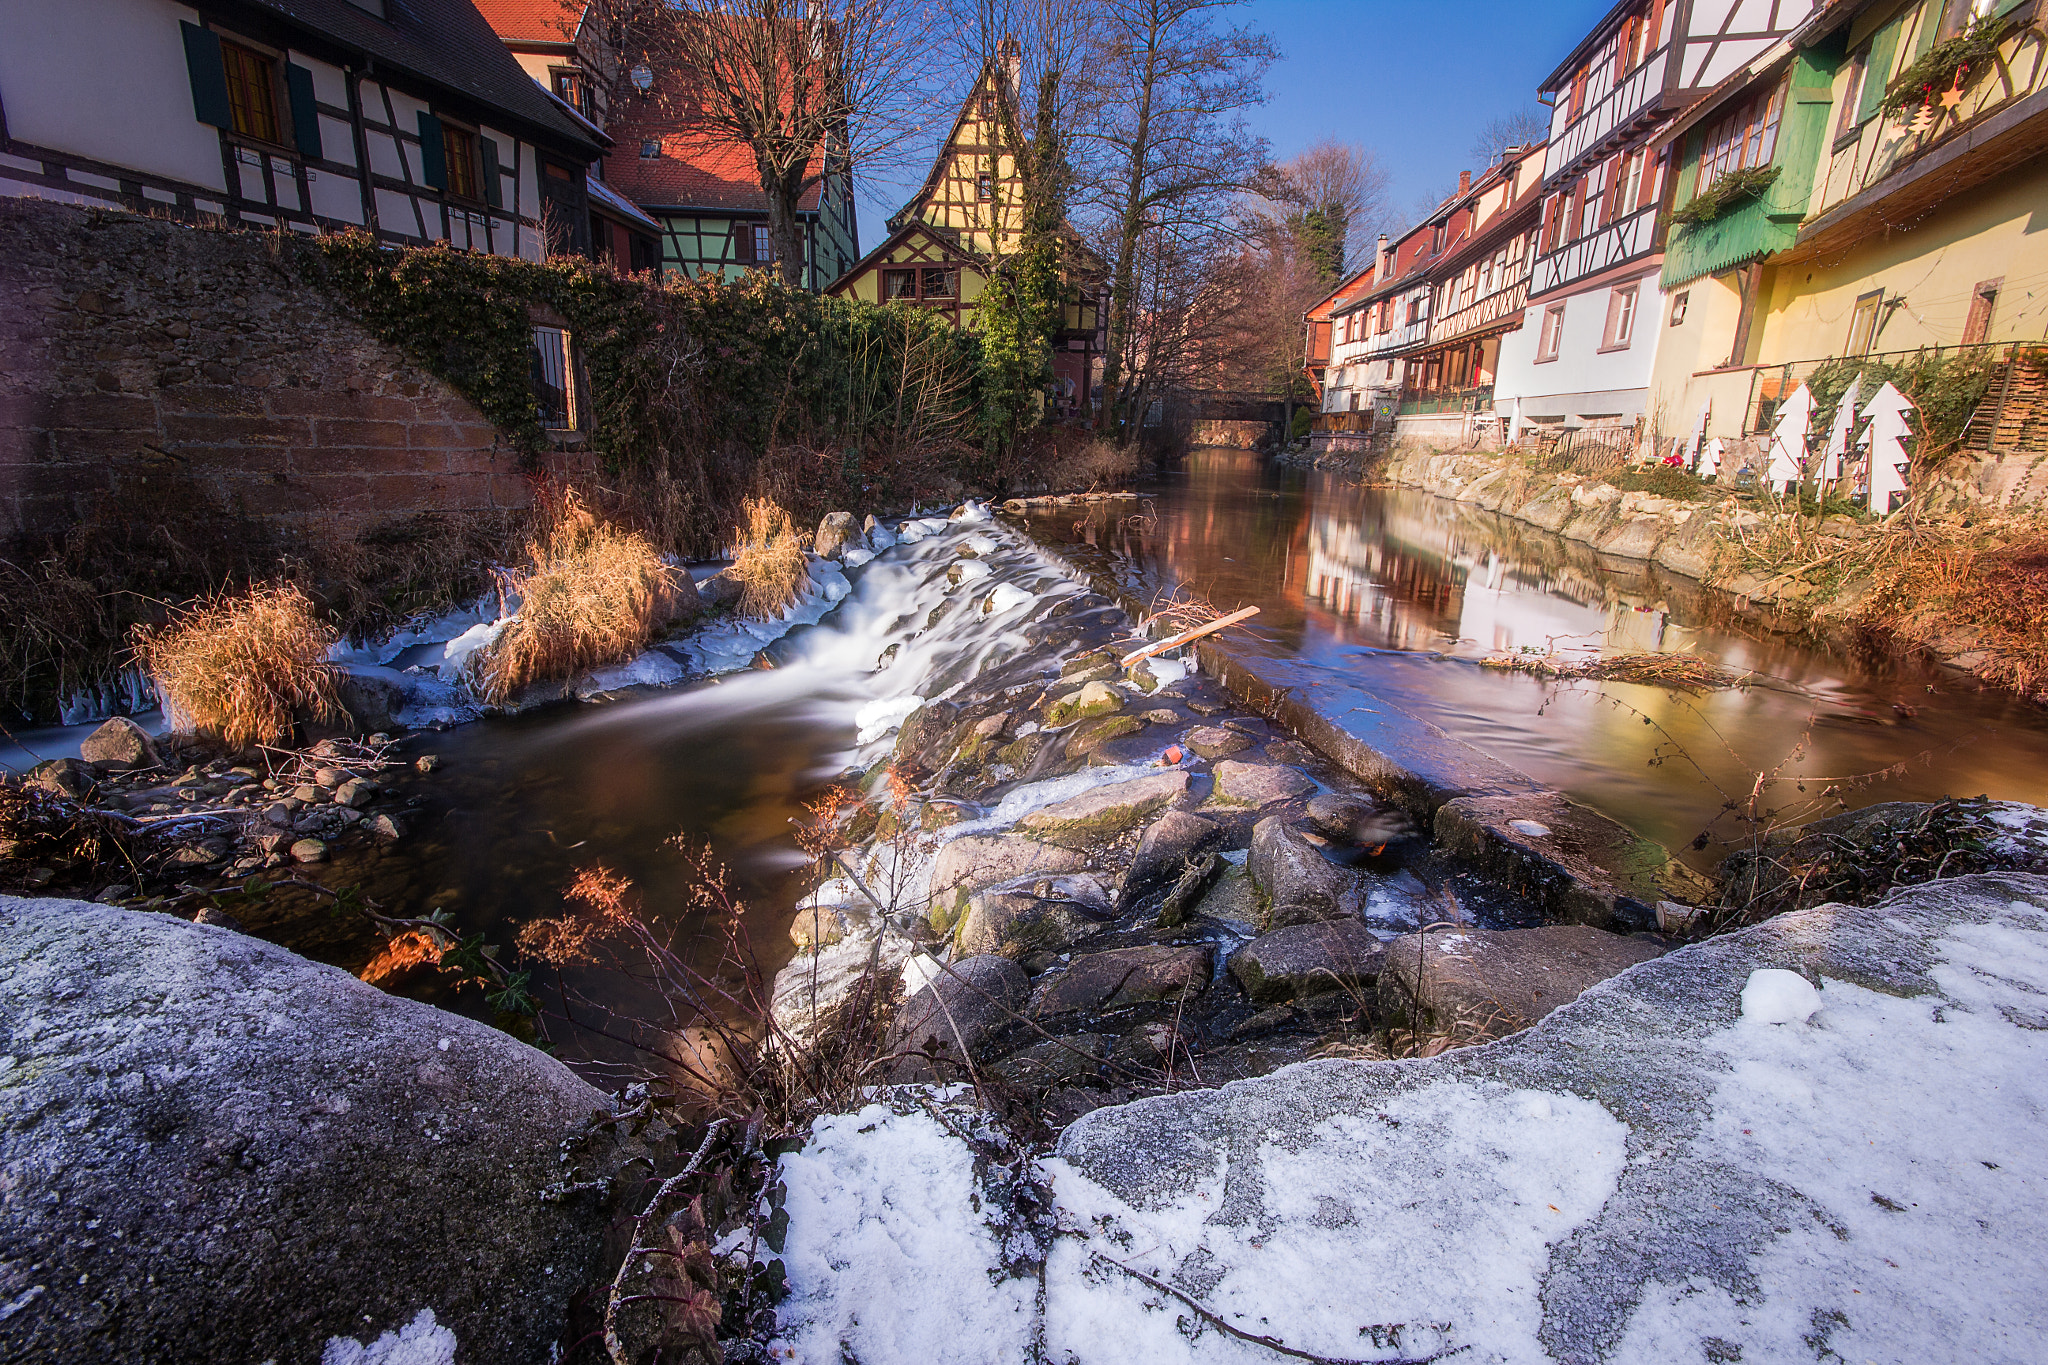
1949,65
1726,193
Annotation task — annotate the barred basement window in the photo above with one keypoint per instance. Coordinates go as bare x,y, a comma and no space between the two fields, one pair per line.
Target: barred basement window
553,376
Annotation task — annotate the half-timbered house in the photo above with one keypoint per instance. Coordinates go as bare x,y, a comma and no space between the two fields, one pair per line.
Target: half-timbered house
1810,261
968,214
561,45
407,117
1583,355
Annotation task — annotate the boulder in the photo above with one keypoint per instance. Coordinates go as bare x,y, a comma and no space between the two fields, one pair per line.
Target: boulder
1258,785
1470,985
1296,883
924,741
355,793
1104,812
1035,913
949,1016
1087,738
217,1150
1096,699
65,777
386,829
1213,741
309,851
1164,852
1128,976
1056,1061
1576,864
1338,817
120,744
371,700
1308,959
835,533
967,864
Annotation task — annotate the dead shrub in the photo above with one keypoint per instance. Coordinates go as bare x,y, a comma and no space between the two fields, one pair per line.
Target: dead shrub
1936,584
240,666
768,562
1095,465
593,594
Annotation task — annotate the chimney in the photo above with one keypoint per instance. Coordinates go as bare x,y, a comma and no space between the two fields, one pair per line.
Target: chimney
1464,182
1380,265
1010,56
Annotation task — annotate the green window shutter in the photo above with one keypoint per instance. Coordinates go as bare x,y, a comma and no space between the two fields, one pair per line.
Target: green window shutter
209,77
298,85
1877,72
494,192
433,152
2006,6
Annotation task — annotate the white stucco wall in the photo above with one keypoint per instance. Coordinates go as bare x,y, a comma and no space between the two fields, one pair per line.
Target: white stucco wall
105,80
1583,380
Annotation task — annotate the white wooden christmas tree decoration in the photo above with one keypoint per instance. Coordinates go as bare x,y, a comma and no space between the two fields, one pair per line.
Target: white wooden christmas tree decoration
1841,433
1710,458
1887,435
1788,441
1697,446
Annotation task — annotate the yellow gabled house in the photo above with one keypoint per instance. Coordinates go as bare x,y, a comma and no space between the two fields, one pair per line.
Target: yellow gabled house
968,215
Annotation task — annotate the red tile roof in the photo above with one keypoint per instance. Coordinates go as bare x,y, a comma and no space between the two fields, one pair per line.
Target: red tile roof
696,169
533,21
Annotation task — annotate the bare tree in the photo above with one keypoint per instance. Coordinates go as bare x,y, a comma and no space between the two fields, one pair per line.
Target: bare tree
1503,131
809,87
1168,146
1331,199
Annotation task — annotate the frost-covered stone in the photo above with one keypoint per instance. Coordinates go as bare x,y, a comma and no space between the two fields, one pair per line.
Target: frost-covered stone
947,1019
1309,959
1104,812
973,861
217,1150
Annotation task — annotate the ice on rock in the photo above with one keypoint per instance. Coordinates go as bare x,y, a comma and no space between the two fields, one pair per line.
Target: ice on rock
971,569
919,971
1773,995
882,715
1006,597
456,654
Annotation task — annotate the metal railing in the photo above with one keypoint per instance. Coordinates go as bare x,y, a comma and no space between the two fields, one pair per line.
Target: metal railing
1770,385
1415,404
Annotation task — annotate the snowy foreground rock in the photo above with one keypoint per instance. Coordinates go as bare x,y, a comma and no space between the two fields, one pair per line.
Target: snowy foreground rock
213,1149
1688,1163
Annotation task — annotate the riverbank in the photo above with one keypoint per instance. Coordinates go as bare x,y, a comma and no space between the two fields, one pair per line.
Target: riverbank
1959,582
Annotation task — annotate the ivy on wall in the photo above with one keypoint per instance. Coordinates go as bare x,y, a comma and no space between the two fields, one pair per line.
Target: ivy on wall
694,381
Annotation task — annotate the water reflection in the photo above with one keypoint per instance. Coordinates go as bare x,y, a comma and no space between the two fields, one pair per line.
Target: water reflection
1402,594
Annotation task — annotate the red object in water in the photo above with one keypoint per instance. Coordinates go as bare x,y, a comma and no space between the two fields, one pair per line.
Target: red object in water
1171,756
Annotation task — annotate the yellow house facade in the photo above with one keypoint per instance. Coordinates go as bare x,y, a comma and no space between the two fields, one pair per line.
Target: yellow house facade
1897,206
966,216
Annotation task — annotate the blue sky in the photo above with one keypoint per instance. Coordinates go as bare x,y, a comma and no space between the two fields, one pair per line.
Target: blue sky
1412,80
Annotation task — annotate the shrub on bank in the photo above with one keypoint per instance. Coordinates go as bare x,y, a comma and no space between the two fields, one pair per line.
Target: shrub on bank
592,594
768,561
242,666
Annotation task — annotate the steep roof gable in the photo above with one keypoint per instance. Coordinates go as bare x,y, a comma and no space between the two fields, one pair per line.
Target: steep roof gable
951,197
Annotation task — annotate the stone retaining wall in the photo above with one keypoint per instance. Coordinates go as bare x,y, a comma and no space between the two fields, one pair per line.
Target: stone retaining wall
135,350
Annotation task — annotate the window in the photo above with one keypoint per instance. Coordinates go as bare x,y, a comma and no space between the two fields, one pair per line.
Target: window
459,146
1415,308
935,283
1678,302
1621,319
1552,337
1863,323
1745,136
898,284
552,372
984,187
1596,194
1628,192
572,88
252,91
1983,300
1852,96
988,106
650,148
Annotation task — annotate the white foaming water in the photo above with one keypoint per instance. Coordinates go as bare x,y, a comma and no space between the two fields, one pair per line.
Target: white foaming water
868,647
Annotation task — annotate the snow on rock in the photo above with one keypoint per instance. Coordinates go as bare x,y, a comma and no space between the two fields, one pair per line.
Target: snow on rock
1773,995
653,668
889,1255
1646,1176
1006,597
457,653
882,715
420,1342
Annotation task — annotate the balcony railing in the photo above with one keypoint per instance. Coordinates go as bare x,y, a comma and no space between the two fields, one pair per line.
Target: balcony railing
1431,404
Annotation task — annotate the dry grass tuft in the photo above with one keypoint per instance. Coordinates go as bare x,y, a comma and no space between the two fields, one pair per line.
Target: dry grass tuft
769,561
241,666
593,595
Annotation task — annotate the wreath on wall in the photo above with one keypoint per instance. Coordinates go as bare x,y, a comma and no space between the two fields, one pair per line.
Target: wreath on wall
1946,66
